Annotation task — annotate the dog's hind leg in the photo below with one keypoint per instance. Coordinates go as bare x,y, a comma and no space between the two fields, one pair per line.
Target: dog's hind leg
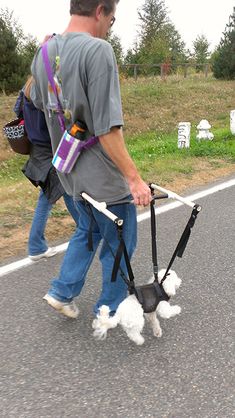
101,325
135,336
154,323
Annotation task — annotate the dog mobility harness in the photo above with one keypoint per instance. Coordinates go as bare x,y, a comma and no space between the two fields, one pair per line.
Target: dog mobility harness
151,294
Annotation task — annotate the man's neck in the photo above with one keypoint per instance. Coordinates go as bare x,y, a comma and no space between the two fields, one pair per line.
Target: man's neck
81,24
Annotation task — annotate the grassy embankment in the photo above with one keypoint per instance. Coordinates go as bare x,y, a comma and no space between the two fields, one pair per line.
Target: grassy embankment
152,111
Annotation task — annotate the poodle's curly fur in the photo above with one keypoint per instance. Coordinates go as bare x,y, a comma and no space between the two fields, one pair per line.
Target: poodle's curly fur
130,314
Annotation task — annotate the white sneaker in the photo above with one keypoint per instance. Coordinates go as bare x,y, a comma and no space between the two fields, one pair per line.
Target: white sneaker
68,309
49,253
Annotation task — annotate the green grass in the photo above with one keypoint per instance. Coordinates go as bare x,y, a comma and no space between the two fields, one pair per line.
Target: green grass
58,212
154,145
152,152
10,170
157,155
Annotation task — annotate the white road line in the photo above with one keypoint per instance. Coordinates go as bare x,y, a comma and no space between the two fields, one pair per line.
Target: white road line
162,209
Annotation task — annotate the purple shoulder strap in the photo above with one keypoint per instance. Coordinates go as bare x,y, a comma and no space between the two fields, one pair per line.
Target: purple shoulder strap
53,86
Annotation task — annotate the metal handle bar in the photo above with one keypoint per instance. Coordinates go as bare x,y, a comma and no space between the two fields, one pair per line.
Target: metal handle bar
102,207
131,202
172,195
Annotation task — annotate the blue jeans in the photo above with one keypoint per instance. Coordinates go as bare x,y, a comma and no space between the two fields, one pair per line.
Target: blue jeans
78,258
37,243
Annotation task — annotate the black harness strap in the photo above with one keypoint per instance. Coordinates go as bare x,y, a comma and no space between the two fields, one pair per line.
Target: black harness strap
122,251
159,290
154,243
179,251
153,230
89,236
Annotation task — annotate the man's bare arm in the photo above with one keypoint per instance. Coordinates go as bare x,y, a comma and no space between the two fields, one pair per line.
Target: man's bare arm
114,146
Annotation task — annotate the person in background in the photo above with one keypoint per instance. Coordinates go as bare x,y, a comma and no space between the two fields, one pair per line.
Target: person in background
39,170
85,68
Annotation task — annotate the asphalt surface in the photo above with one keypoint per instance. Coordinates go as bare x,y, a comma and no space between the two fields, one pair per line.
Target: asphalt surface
52,367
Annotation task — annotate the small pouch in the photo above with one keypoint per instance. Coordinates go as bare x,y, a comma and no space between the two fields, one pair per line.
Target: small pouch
17,136
150,295
67,153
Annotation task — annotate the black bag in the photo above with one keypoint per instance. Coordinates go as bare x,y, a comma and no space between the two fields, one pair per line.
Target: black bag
17,136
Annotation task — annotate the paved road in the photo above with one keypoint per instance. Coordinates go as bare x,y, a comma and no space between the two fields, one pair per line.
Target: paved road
51,367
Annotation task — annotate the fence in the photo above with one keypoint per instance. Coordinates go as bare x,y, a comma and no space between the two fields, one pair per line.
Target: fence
163,70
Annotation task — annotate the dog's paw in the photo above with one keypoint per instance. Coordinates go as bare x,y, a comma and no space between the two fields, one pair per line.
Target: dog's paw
139,341
157,332
136,337
100,334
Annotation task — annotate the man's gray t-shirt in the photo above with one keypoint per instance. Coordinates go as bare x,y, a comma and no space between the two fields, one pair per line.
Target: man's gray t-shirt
90,85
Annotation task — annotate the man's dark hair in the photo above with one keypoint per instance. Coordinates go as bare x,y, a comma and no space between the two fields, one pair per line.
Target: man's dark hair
87,7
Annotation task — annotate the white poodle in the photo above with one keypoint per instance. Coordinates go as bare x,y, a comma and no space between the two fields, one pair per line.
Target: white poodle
130,314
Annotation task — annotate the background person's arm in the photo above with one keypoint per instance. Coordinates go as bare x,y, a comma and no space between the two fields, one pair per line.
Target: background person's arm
114,146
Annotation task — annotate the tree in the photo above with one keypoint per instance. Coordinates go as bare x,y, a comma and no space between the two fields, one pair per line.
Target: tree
153,16
131,57
27,50
223,59
176,45
159,41
115,41
16,53
201,51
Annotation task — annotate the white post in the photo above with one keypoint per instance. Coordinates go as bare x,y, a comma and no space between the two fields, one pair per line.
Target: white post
184,129
204,131
232,122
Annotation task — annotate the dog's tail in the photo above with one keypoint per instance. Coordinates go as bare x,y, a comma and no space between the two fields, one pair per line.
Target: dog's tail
103,323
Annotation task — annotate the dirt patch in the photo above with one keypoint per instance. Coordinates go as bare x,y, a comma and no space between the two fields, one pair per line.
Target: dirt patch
5,154
13,242
202,177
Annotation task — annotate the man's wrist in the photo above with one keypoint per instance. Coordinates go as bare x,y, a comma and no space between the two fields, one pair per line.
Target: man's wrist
133,177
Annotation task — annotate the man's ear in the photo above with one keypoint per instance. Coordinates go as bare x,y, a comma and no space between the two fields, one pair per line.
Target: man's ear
99,11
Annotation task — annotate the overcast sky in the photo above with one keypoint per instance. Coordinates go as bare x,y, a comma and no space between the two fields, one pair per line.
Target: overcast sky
190,17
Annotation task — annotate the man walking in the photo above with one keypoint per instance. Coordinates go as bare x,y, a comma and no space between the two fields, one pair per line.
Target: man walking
89,91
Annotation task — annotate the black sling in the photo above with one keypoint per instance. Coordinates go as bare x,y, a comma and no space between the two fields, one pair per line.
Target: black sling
151,294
